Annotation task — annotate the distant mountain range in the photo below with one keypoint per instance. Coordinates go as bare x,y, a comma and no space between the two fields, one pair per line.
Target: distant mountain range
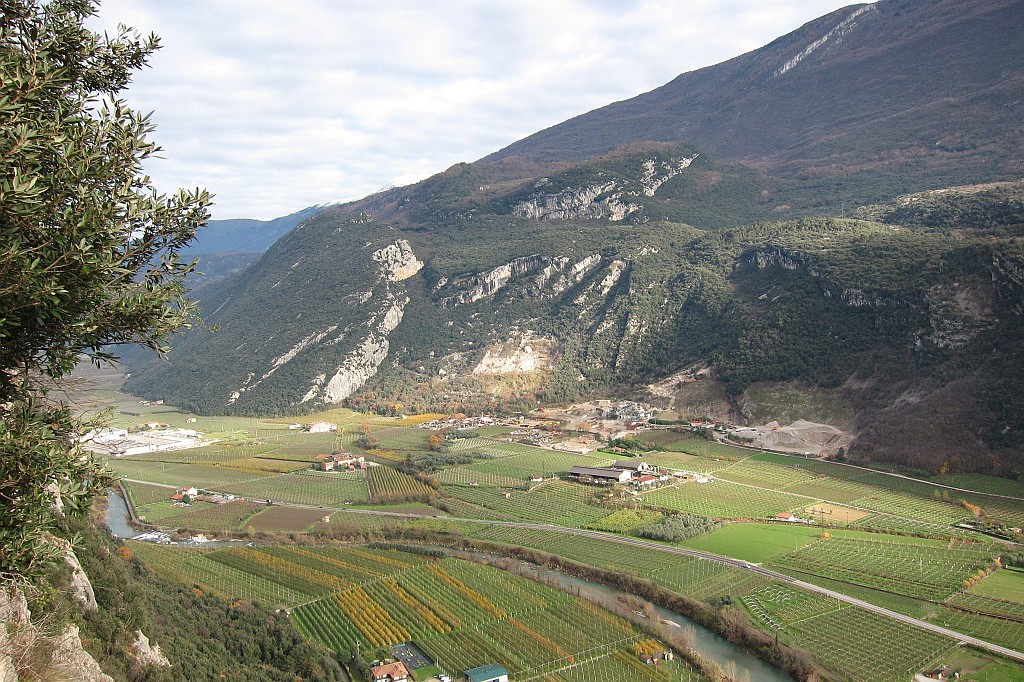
754,241
225,247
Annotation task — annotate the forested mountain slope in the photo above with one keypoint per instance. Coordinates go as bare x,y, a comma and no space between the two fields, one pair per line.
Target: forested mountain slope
556,271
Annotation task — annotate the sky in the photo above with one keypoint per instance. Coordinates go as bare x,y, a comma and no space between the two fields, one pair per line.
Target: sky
276,106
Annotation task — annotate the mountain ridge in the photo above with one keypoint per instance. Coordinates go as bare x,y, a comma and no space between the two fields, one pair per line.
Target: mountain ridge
522,278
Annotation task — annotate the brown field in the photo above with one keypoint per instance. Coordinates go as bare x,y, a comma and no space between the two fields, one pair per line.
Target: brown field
834,513
286,519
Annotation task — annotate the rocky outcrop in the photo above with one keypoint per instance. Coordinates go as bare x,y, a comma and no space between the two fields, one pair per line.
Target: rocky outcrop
71,660
835,35
363,362
477,287
852,296
397,261
526,352
28,653
580,203
14,623
1008,277
958,313
79,586
764,258
652,179
146,655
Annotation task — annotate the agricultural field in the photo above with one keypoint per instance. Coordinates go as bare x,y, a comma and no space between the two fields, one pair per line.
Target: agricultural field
387,484
1007,583
229,516
722,499
264,459
199,475
307,487
923,571
755,542
277,519
557,502
464,615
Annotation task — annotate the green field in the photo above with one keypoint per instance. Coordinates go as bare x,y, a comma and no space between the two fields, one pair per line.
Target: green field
1007,584
755,542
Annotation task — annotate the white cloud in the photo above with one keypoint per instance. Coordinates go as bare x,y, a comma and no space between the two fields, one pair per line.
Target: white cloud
277,106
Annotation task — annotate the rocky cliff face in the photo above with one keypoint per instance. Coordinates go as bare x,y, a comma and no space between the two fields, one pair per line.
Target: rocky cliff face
592,202
612,199
522,353
28,652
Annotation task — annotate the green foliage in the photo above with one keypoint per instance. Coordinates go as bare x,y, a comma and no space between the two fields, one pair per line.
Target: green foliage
432,462
88,249
679,527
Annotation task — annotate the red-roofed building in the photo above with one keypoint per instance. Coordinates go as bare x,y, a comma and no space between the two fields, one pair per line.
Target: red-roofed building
390,672
646,480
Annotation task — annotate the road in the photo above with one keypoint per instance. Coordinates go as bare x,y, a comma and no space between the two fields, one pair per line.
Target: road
728,561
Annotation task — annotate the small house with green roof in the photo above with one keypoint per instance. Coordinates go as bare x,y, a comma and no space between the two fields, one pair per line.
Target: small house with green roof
492,672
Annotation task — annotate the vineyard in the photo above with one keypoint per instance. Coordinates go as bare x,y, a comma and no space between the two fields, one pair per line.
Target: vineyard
556,502
867,646
463,615
207,476
275,576
924,572
765,475
721,499
143,494
391,485
215,517
308,487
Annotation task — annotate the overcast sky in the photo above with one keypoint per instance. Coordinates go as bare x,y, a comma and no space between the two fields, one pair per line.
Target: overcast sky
275,106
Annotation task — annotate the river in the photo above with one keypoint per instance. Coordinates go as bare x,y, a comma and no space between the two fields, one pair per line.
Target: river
728,656
117,517
713,647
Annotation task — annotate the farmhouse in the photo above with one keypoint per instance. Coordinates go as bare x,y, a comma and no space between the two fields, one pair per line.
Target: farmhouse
631,465
599,474
944,672
322,427
645,480
492,672
390,672
337,462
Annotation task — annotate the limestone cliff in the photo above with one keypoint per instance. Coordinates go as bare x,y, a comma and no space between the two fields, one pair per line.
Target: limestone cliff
28,651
